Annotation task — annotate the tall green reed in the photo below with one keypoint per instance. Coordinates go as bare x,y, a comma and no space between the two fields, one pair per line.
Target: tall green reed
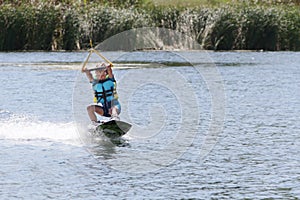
27,28
46,27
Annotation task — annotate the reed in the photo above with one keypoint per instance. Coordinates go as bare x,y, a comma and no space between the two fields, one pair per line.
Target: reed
100,22
27,28
222,32
289,32
60,25
67,34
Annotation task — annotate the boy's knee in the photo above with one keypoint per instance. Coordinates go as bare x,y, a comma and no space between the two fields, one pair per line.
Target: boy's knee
90,108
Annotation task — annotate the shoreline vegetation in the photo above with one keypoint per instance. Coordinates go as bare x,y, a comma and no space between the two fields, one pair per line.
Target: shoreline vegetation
271,25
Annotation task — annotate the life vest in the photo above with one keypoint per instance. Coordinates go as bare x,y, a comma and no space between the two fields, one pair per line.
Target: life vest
105,90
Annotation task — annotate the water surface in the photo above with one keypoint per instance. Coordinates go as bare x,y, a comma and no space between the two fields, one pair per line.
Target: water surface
45,154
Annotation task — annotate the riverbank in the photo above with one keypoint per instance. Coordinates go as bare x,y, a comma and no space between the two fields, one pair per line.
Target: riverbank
223,27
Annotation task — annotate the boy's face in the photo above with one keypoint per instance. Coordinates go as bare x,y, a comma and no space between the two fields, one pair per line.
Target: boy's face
101,74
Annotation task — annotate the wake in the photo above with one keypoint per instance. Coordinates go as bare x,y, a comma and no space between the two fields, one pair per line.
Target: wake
20,127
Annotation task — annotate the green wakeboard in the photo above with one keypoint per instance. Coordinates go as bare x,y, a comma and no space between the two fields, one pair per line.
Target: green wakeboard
113,129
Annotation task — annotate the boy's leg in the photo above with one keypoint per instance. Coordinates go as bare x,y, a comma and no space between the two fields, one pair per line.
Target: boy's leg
115,110
92,109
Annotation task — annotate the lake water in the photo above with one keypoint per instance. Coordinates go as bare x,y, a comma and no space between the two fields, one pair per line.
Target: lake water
217,125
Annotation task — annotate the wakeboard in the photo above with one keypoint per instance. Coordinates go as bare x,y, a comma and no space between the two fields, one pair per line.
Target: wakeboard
113,129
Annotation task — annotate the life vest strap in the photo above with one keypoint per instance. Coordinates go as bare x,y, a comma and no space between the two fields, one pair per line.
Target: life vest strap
104,94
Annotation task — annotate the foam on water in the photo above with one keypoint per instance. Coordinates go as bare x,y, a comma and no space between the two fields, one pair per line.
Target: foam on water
20,127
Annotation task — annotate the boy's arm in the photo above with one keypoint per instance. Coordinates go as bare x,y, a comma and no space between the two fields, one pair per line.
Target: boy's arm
88,74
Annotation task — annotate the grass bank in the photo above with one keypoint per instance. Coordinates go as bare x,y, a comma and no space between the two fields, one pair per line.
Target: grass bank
221,25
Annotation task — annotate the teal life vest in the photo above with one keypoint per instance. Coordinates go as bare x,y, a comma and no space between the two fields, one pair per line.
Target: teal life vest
105,90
